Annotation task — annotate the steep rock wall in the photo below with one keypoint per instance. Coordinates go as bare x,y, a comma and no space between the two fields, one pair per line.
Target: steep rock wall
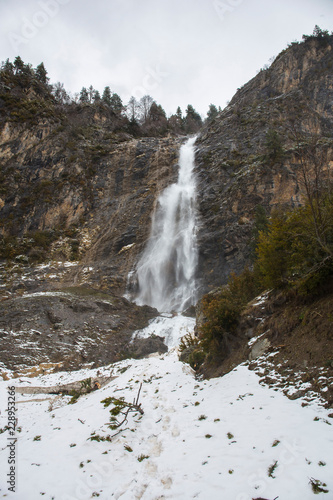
236,169
79,172
102,185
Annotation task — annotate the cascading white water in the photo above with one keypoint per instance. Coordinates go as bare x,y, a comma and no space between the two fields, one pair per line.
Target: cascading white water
166,270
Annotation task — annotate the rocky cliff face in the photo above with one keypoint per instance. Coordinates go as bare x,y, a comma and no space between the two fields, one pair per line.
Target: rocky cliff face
75,186
237,167
74,189
94,189
141,170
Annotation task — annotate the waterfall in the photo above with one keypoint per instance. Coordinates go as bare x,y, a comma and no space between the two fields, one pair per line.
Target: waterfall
166,270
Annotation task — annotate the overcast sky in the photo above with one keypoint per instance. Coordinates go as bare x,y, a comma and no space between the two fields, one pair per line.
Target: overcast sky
179,51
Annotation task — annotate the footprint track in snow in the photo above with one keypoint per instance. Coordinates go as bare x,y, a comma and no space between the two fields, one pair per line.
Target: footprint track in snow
156,446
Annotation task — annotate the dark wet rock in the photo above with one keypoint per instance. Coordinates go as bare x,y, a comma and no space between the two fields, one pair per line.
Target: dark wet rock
141,348
189,312
296,395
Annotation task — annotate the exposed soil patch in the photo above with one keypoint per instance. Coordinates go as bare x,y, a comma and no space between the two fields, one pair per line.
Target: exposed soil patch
298,335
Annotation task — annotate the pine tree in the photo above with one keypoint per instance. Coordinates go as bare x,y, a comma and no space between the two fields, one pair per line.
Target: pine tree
7,67
273,145
84,96
97,96
60,94
116,104
18,65
193,120
156,112
192,113
212,112
41,73
106,97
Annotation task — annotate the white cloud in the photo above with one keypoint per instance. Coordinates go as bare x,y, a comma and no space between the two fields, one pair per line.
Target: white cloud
180,51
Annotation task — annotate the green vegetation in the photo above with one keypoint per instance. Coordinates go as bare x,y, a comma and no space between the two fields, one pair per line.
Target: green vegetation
16,80
187,342
293,250
98,438
297,249
121,409
260,225
222,310
84,389
273,145
26,96
322,36
35,246
212,112
317,486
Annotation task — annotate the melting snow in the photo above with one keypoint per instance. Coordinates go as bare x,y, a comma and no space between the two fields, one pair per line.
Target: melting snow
171,328
228,438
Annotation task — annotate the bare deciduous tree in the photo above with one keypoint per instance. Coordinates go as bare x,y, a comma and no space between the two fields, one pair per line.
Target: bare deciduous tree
133,109
145,104
312,154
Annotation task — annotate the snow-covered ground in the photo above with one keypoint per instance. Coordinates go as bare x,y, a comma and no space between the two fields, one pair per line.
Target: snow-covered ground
228,438
171,327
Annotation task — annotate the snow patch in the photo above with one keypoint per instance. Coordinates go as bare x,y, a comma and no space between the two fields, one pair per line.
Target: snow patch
201,439
171,328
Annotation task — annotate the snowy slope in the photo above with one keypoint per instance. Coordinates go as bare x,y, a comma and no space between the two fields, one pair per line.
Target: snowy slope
208,440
